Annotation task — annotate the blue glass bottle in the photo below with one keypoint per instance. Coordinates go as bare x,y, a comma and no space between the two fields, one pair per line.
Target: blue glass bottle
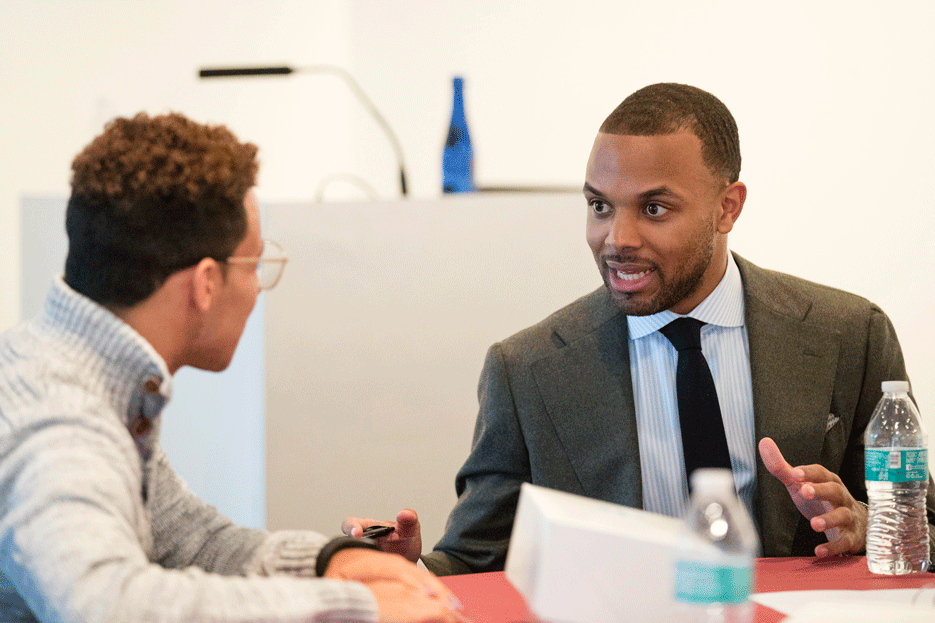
458,157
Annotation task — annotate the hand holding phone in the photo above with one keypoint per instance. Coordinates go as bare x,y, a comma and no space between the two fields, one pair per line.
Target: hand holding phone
375,532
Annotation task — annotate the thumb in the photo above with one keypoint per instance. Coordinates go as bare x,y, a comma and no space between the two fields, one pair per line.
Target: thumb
407,523
777,464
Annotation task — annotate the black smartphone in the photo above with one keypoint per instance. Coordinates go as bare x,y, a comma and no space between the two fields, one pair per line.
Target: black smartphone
375,532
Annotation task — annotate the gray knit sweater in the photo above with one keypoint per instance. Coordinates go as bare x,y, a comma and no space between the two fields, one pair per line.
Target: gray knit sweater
95,526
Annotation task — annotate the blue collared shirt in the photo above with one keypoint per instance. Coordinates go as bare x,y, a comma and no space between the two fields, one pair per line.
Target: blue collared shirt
653,362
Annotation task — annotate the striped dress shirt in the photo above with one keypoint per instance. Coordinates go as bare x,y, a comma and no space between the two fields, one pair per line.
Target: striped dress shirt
653,362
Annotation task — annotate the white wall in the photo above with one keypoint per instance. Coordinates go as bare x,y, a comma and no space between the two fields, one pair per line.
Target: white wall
833,99
67,66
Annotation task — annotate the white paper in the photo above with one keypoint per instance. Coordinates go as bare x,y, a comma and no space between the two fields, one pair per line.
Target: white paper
832,606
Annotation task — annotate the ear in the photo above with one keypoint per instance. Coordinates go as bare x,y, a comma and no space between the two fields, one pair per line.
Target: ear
732,199
206,281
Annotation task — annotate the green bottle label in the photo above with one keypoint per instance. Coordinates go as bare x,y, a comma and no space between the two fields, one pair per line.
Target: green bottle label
701,583
896,464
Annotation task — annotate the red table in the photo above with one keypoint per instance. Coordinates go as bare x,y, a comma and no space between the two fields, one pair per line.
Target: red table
490,598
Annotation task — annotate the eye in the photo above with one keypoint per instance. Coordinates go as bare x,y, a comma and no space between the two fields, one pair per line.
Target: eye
600,207
654,209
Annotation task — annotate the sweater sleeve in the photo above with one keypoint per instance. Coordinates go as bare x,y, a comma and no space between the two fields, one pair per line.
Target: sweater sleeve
187,532
76,537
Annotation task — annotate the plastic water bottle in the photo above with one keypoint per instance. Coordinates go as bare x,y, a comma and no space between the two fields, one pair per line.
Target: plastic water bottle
896,465
716,553
458,157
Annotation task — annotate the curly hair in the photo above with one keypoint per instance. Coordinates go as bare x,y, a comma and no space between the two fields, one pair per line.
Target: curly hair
667,107
151,196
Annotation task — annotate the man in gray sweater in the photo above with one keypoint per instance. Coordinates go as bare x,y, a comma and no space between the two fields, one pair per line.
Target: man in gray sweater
164,266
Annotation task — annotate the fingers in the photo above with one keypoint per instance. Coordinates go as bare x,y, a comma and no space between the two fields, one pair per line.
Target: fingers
353,526
831,509
777,464
817,473
842,524
834,518
406,540
839,547
821,497
407,525
845,527
434,586
404,592
847,542
400,603
433,589
831,491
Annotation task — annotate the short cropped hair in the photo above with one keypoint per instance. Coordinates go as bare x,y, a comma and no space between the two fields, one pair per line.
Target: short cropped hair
668,107
149,197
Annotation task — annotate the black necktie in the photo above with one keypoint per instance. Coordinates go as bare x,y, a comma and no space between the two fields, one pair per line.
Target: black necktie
704,443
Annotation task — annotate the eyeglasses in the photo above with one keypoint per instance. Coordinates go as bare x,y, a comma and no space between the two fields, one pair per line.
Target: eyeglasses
269,265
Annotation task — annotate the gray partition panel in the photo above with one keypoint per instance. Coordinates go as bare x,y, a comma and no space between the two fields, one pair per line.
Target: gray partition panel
376,335
43,246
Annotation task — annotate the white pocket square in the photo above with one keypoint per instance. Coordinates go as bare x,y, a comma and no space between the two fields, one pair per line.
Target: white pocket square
832,420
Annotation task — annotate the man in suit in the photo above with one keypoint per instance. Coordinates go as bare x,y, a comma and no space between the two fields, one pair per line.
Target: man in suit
585,401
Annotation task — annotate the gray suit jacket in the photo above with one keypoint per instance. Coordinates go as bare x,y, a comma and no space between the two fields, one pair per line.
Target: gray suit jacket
556,410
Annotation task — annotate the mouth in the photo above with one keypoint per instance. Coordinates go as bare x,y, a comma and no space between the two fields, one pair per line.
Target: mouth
627,278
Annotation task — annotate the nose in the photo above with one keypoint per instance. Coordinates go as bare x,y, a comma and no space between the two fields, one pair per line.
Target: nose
624,231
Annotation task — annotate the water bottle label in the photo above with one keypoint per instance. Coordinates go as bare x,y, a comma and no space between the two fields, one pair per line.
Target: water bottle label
700,583
896,464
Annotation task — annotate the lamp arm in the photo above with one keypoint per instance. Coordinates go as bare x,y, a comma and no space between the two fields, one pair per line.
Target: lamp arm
371,108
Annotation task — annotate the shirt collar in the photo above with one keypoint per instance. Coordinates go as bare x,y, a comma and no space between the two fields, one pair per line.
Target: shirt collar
723,307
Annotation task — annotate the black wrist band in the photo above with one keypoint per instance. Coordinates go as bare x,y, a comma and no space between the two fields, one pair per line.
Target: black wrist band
334,546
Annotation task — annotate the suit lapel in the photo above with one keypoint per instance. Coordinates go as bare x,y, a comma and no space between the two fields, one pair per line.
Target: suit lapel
792,365
586,389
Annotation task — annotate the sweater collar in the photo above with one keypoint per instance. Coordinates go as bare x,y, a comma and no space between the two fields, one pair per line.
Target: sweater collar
116,360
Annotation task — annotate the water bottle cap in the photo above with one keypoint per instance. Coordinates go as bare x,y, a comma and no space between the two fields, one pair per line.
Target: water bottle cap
895,386
712,479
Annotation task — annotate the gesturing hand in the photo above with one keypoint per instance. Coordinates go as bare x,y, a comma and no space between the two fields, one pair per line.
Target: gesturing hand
823,499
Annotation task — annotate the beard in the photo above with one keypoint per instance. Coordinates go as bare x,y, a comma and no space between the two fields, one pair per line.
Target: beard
685,281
